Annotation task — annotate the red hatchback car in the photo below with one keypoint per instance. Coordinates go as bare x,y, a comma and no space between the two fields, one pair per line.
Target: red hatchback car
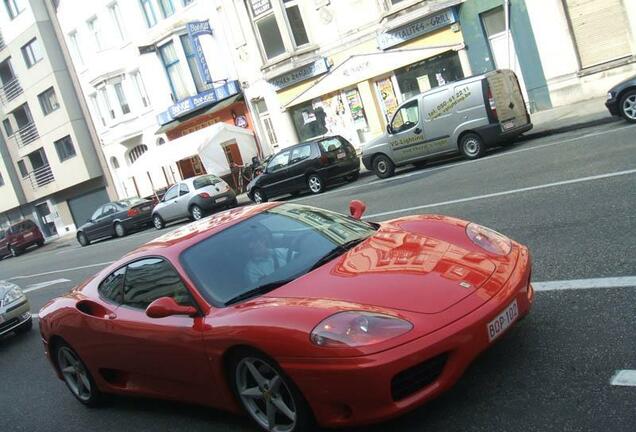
293,314
20,236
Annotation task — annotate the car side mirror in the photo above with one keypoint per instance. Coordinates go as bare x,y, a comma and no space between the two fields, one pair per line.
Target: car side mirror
167,306
389,129
357,209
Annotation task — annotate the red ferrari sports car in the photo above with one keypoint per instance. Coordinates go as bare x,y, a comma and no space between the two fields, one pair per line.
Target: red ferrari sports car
293,314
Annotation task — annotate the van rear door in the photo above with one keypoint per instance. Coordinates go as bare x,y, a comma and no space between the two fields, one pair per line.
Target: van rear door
508,100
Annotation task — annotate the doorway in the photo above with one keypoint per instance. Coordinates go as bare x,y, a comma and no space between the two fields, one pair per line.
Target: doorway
46,219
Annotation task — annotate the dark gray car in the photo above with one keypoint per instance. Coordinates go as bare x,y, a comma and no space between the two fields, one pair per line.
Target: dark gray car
621,100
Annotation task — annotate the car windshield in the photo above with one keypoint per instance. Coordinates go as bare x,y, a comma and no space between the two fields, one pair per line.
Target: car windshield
204,181
269,250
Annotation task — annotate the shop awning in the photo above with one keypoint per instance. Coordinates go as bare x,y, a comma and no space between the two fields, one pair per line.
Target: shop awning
362,67
209,110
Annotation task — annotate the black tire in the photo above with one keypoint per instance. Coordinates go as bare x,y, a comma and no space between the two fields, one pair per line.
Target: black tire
14,251
82,239
25,328
353,177
94,395
383,166
472,146
158,222
627,106
258,196
119,230
315,184
304,420
196,212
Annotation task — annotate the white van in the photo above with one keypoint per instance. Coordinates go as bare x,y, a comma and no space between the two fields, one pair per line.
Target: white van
465,116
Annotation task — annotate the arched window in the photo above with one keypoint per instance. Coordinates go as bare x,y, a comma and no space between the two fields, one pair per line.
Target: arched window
114,162
160,142
137,151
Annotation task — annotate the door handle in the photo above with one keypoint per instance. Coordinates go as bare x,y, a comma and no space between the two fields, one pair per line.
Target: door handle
417,131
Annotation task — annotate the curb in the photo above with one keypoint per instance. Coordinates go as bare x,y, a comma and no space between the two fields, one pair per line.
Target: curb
568,128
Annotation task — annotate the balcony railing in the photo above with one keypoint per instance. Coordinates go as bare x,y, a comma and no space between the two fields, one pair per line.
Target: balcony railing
25,135
41,176
10,91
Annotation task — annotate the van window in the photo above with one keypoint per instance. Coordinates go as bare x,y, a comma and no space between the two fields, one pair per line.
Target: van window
406,117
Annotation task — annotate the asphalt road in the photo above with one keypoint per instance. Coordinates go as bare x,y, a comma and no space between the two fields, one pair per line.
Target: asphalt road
571,198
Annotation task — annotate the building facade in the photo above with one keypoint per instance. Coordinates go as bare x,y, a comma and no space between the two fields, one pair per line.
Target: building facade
157,75
50,170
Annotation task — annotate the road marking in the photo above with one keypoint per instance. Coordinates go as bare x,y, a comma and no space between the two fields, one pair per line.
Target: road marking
41,285
451,165
610,282
508,192
61,270
625,377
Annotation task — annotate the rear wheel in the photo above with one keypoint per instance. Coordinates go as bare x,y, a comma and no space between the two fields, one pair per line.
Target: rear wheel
14,251
40,243
120,231
471,145
270,398
157,221
76,376
259,196
315,184
383,166
196,212
82,239
627,106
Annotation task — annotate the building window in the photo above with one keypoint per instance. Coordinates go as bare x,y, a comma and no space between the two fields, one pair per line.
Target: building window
114,162
186,2
137,151
96,108
7,127
106,101
93,28
149,12
170,61
48,101
118,23
270,37
22,168
266,122
192,64
14,7
167,8
141,89
65,149
121,97
32,53
296,24
75,47
309,121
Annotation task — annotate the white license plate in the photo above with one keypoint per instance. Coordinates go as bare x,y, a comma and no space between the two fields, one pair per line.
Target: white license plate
508,125
29,234
341,155
502,321
221,199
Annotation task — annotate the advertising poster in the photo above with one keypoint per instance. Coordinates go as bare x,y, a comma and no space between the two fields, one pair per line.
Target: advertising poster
356,108
387,94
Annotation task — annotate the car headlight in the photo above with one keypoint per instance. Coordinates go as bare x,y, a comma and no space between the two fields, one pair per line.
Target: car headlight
12,295
489,239
610,95
358,328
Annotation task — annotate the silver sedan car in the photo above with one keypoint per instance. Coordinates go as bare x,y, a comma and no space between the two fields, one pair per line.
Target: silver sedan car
15,311
193,198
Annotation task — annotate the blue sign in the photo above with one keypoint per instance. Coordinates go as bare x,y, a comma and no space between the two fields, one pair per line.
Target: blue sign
201,100
307,71
416,28
196,29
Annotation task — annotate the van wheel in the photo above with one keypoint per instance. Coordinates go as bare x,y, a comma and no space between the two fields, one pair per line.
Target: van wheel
315,184
627,106
383,166
472,146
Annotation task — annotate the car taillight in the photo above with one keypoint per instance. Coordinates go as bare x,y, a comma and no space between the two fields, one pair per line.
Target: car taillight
204,195
133,212
493,106
489,239
324,160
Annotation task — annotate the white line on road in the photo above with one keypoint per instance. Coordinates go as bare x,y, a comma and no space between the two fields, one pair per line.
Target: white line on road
508,192
625,377
610,282
452,165
61,270
41,285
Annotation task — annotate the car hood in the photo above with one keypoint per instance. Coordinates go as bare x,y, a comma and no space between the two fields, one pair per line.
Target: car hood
5,287
404,266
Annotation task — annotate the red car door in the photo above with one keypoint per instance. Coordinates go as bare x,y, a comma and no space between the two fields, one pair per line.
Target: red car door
162,356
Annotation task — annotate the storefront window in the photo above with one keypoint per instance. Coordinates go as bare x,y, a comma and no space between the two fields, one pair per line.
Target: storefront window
309,122
425,75
387,96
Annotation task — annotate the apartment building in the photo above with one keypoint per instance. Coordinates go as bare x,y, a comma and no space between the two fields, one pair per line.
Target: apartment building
50,171
159,79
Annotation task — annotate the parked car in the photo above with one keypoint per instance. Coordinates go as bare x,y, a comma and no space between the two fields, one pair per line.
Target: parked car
116,219
465,116
292,313
308,165
621,100
15,311
19,237
193,198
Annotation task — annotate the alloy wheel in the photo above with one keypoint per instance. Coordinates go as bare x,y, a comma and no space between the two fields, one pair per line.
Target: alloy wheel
197,213
258,197
629,107
265,395
315,184
75,374
14,252
119,230
158,223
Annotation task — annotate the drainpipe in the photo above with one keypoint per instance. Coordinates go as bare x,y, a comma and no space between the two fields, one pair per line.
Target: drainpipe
507,23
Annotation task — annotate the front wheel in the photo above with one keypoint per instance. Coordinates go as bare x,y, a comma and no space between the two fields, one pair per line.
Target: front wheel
472,146
259,196
315,184
82,239
270,398
157,222
14,251
76,376
383,166
627,106
120,231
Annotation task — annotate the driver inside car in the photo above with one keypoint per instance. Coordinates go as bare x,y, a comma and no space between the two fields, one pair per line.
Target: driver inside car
264,259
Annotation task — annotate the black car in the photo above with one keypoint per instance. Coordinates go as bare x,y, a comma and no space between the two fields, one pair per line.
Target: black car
621,100
308,165
116,219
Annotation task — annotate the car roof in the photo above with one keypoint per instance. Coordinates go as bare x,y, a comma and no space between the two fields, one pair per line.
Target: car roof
311,141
